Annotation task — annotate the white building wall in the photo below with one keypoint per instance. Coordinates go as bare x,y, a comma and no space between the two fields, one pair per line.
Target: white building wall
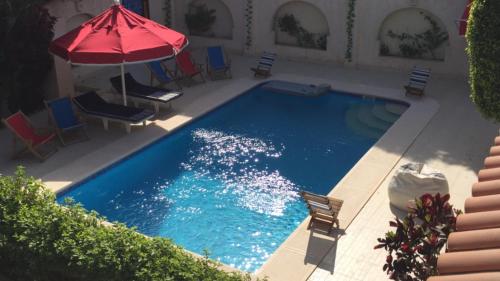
370,15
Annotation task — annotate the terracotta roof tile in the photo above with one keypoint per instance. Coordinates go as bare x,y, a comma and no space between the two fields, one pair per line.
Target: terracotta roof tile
482,203
495,150
486,188
483,276
474,239
473,252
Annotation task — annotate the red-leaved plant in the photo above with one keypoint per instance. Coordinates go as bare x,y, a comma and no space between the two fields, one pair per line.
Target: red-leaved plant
414,247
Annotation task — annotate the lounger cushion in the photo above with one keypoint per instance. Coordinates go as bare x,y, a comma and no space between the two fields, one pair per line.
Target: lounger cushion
92,104
136,89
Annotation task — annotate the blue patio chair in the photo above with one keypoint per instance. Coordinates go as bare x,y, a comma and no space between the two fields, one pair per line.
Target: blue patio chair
218,63
264,65
64,119
418,81
161,74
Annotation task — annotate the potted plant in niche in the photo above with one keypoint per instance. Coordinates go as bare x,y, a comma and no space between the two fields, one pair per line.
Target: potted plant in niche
200,19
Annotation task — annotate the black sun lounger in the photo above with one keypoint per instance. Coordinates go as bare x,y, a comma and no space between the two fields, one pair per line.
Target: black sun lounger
93,105
153,95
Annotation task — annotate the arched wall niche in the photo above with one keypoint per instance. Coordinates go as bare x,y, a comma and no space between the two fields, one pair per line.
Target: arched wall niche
413,33
221,27
301,24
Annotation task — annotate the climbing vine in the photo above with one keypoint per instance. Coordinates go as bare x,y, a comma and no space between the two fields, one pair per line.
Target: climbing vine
289,24
168,13
249,22
418,45
351,15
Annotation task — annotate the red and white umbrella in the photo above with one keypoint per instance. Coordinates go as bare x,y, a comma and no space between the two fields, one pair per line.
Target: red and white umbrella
118,37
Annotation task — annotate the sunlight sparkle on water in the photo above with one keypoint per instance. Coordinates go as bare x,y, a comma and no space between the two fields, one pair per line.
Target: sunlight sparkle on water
233,159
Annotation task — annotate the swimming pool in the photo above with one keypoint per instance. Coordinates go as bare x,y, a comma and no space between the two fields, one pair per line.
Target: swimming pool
229,181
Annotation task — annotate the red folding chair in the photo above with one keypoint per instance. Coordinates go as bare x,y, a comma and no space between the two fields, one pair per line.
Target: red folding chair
187,66
32,138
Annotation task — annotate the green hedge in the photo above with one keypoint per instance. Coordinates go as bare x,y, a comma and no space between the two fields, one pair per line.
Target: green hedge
41,240
483,37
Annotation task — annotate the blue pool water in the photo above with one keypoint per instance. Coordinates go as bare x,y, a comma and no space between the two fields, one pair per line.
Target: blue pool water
229,182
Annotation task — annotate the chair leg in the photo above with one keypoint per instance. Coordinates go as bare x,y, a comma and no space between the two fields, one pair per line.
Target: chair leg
310,223
60,136
85,133
41,157
105,123
37,155
179,86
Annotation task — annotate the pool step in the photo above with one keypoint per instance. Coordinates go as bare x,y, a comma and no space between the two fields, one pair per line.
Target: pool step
366,116
360,128
383,114
395,108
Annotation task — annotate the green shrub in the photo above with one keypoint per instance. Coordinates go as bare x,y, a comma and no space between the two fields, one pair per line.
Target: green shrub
483,37
42,240
413,248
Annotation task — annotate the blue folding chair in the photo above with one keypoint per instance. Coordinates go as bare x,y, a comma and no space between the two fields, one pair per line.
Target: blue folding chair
218,63
418,81
264,65
64,119
161,74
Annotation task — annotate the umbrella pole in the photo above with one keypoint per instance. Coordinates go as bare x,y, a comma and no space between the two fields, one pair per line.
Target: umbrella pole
124,91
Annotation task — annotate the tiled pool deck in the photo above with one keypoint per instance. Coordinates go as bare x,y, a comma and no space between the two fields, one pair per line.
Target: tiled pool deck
442,136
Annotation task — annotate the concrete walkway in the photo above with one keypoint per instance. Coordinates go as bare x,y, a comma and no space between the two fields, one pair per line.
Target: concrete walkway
454,142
